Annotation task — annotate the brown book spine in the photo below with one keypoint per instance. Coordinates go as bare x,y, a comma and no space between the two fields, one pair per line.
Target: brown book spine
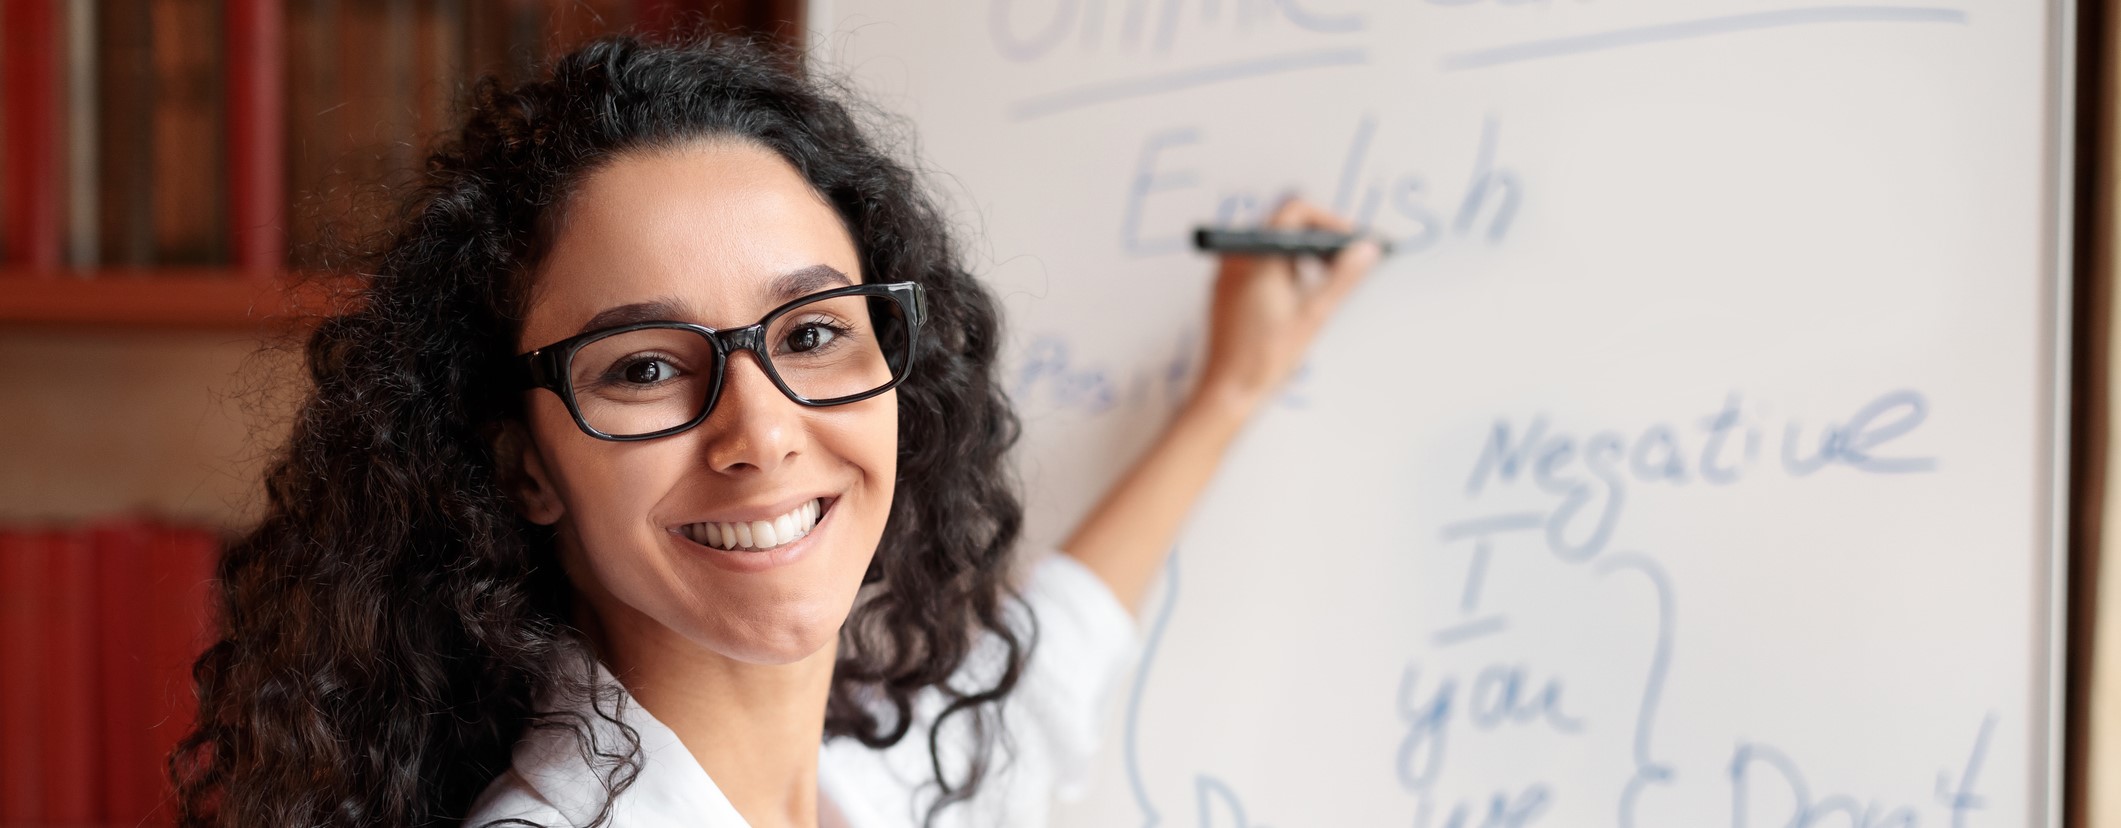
190,209
311,76
439,70
125,134
83,221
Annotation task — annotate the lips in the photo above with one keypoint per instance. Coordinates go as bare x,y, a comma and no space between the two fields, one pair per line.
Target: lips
759,535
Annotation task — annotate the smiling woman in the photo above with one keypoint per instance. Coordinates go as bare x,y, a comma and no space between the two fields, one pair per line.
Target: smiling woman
660,479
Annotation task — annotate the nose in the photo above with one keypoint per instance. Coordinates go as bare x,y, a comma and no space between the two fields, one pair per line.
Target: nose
753,427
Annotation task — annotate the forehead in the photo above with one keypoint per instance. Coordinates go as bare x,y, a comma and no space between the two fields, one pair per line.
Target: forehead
712,228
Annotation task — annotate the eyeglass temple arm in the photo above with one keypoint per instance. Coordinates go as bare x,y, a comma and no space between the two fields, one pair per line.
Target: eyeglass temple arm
536,369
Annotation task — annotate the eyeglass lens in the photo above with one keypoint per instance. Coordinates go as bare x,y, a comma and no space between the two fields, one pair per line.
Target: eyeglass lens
648,380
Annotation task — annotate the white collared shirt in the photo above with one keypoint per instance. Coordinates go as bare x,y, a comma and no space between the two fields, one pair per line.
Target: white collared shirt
1086,641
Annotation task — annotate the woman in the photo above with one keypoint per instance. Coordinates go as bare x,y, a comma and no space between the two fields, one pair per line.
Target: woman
664,447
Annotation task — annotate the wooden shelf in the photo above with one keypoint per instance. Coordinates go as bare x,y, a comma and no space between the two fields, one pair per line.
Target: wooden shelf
196,298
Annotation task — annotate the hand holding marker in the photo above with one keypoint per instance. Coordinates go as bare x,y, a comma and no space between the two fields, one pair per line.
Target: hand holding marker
1275,287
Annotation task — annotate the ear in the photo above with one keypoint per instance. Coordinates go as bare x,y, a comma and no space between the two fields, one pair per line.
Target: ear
524,476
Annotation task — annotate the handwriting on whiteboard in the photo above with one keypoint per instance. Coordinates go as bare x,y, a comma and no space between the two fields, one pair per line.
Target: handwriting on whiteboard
1029,31
1049,376
1142,37
1590,473
1167,196
1475,693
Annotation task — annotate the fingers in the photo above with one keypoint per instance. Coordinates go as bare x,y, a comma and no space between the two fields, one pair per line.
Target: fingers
1296,213
1346,271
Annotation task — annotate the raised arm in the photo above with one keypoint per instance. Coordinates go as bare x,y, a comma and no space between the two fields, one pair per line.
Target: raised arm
1262,318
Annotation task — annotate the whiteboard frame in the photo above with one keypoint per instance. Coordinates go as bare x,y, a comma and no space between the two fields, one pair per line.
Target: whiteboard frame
2051,766
2049,763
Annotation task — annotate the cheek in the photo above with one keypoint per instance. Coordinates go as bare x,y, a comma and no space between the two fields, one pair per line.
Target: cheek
606,488
884,435
869,441
863,439
603,487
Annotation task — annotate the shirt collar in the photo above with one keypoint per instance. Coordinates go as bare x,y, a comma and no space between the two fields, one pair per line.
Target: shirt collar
670,789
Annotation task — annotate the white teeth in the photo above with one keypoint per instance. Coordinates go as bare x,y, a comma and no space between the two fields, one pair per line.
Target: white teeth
759,534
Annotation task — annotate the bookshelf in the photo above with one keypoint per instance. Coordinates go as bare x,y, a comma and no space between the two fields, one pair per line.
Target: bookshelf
168,162
156,297
165,167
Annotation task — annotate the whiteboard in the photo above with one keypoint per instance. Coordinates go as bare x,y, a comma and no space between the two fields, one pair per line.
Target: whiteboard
1695,462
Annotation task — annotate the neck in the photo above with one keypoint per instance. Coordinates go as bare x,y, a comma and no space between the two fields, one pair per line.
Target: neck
755,728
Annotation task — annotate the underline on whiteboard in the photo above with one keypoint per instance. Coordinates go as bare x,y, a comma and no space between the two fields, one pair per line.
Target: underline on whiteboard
1494,523
1690,29
1460,633
1120,90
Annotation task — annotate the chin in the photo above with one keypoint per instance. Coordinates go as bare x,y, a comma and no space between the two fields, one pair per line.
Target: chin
776,636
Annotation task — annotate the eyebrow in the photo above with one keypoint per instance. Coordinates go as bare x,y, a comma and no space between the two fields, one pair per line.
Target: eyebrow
783,288
650,311
806,281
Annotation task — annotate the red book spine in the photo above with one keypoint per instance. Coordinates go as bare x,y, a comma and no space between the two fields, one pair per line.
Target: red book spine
128,765
31,90
182,566
257,154
25,576
73,696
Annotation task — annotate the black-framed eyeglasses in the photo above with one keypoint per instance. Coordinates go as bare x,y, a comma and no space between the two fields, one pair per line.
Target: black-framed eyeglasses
655,379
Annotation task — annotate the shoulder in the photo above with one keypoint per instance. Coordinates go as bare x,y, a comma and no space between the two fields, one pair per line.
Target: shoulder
1076,638
1085,636
1059,585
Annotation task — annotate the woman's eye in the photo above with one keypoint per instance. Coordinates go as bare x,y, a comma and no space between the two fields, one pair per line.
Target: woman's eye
645,371
810,337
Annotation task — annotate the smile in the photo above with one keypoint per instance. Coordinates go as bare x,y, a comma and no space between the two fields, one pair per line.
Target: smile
759,535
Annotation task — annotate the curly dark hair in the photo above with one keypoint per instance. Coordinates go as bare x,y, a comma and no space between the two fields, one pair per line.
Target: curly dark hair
389,627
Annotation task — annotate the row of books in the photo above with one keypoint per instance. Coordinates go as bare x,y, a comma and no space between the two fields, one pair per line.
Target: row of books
99,625
233,133
118,141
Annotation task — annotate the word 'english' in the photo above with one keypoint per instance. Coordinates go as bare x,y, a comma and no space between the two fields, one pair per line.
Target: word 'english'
1166,196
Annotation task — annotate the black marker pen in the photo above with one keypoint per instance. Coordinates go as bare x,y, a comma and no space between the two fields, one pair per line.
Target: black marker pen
1268,241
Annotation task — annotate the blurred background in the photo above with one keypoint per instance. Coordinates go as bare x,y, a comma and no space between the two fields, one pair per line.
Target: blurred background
167,169
172,170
